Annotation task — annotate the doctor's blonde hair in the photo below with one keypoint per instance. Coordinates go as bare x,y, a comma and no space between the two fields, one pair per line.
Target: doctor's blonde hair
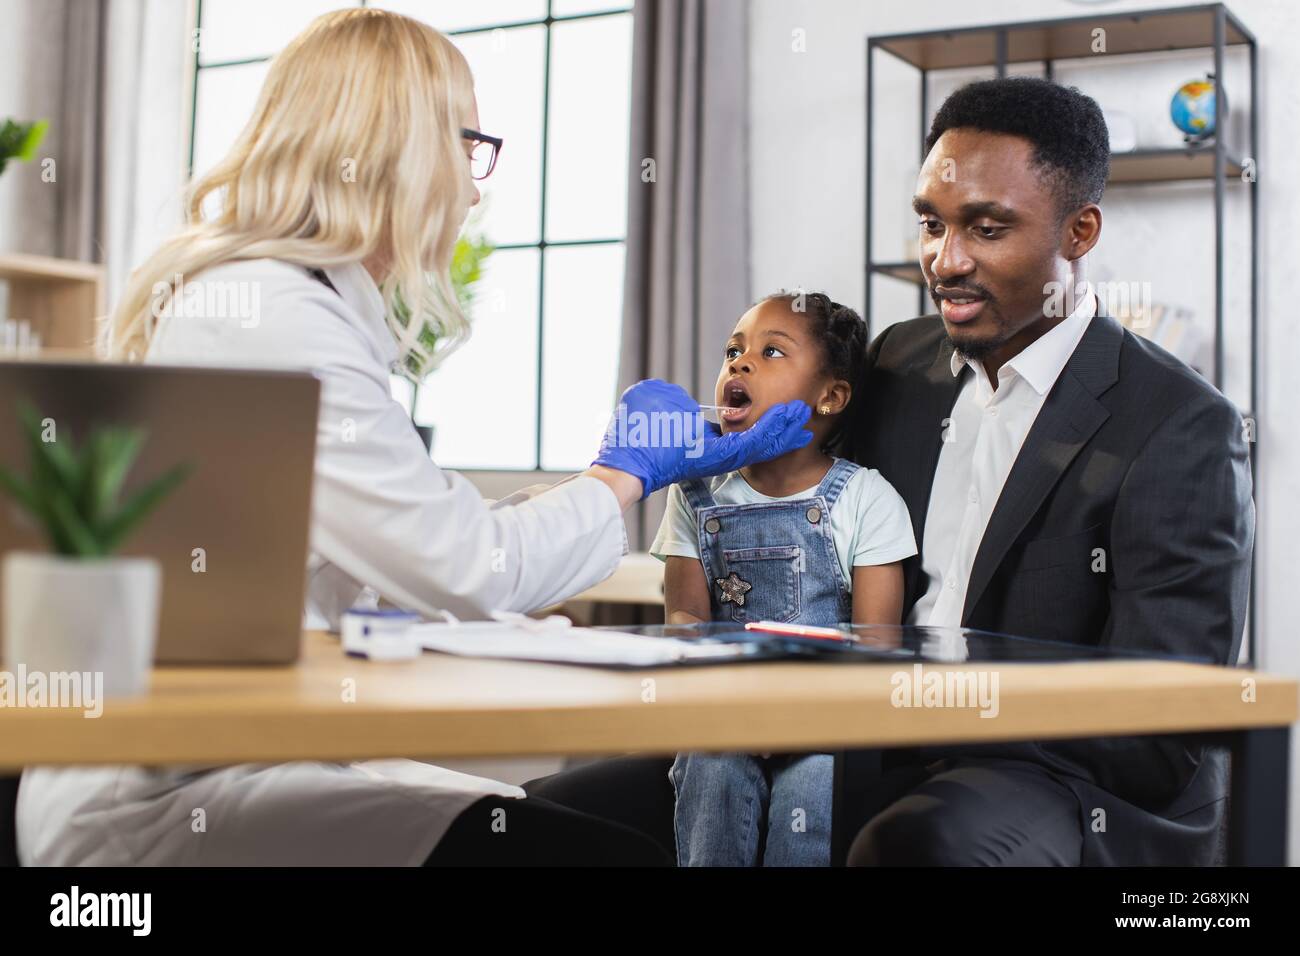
354,148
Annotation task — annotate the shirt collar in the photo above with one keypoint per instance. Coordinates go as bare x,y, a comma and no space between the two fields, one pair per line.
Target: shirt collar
358,289
1041,362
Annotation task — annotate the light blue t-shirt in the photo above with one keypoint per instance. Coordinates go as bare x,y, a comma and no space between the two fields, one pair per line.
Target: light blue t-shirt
870,523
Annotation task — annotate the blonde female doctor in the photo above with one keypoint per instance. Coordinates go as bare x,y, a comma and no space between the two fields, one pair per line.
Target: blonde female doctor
330,254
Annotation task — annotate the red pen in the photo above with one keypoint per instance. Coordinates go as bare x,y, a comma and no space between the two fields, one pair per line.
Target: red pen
800,630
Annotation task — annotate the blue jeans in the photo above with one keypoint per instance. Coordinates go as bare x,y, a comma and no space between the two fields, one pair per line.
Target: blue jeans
726,801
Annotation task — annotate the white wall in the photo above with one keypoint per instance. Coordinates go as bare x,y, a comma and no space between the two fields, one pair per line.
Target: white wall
808,153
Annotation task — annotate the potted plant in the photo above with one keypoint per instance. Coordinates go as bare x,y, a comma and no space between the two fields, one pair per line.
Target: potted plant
468,258
19,140
80,608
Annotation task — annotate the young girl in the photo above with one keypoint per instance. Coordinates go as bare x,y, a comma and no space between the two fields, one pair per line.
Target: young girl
807,538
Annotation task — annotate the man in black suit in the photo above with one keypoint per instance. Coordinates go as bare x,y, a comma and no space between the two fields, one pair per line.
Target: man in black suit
1067,480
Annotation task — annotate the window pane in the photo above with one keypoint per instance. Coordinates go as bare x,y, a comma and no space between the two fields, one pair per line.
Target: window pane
226,96
508,68
239,29
582,327
587,162
566,8
482,402
459,15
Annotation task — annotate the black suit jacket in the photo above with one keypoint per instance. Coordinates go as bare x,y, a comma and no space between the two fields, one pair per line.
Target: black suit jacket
1132,453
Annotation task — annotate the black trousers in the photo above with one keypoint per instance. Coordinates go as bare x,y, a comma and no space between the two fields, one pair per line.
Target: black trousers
633,792
970,812
536,832
953,812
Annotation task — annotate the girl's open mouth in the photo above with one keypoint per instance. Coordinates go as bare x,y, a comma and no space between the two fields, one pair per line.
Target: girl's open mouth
736,401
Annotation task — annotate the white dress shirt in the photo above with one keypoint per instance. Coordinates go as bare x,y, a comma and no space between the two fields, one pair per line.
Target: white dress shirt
981,443
383,516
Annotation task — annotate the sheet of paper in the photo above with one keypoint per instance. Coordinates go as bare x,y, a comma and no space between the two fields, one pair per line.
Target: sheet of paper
569,645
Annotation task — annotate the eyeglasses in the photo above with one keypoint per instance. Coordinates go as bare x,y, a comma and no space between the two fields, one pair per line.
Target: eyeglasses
483,157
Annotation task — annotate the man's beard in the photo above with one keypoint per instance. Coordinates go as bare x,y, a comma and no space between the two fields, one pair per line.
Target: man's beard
976,350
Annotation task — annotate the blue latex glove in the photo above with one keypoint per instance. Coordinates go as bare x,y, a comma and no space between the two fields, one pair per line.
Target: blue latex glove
658,435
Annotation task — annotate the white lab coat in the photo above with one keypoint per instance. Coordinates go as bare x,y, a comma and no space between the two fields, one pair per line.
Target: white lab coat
383,516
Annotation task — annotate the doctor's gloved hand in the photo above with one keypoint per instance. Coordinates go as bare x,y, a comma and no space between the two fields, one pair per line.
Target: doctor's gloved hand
658,435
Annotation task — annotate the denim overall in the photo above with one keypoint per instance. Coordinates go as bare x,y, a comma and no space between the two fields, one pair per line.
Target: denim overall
769,561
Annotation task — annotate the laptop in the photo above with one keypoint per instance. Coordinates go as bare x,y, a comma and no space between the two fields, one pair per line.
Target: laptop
232,538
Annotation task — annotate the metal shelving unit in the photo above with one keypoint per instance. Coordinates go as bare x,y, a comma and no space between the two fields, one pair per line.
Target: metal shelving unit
1199,27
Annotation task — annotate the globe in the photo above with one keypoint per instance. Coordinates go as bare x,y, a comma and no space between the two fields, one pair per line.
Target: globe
1193,108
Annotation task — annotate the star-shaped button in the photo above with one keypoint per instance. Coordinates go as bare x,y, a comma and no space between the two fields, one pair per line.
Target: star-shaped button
733,589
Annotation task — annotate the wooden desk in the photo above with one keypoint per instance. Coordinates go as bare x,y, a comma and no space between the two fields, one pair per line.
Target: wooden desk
335,708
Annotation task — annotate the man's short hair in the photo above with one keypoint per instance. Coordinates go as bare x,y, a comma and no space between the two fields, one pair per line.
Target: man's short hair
1066,127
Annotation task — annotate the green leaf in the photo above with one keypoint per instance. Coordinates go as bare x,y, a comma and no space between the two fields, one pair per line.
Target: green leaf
144,501
44,478
76,537
34,135
52,460
467,267
11,135
20,492
112,453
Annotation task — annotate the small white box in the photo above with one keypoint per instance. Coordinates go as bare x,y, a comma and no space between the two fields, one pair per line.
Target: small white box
380,634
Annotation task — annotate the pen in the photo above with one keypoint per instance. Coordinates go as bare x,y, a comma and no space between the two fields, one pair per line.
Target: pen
799,630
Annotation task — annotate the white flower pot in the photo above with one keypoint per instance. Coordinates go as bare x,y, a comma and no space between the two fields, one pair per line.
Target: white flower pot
82,615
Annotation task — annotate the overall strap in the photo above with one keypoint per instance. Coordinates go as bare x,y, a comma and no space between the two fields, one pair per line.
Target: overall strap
837,477
697,494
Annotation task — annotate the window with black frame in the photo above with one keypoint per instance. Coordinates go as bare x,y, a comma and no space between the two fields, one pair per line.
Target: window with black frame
535,384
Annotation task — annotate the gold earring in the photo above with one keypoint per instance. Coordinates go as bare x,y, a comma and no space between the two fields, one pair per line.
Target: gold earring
825,409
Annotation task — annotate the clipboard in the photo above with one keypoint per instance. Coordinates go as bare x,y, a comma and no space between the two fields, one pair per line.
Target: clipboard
555,640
